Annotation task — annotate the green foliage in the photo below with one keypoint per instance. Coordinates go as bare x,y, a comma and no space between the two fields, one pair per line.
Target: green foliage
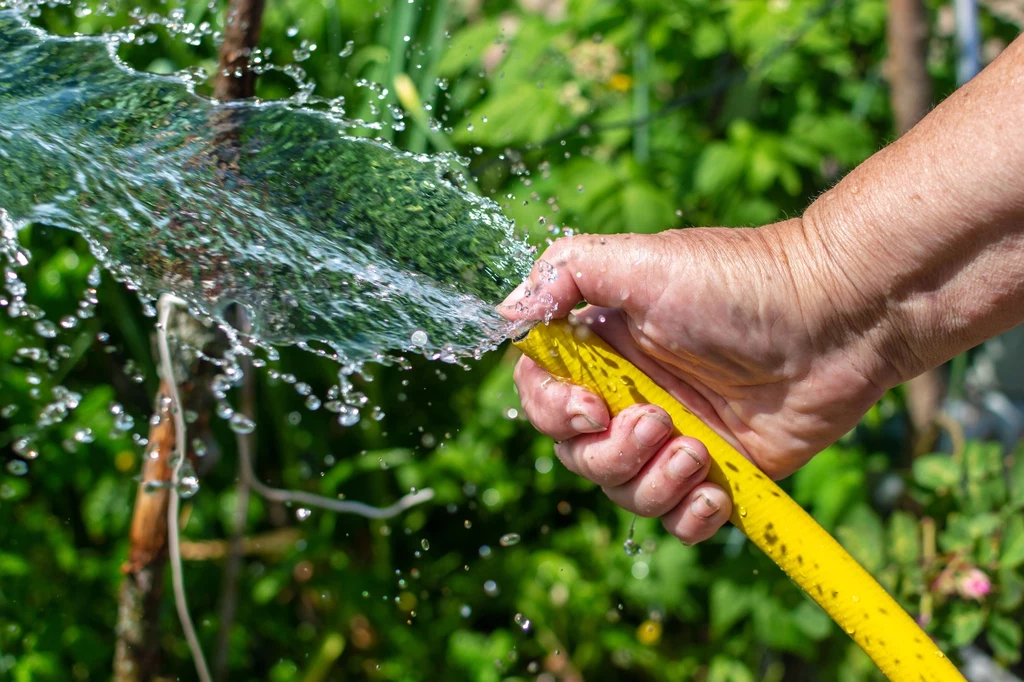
351,599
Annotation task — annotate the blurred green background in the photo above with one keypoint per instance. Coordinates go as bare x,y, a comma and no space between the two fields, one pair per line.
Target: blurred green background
574,115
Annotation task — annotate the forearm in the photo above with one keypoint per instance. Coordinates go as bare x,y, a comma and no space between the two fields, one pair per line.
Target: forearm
923,244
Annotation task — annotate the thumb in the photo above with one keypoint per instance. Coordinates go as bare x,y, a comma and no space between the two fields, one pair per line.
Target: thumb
613,271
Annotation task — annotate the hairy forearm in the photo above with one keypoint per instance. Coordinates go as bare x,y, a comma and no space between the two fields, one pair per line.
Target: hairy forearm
923,244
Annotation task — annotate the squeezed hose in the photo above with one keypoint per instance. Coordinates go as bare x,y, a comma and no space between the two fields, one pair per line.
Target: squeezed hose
765,514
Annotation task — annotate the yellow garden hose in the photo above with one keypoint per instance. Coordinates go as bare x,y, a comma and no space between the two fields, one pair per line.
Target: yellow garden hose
765,514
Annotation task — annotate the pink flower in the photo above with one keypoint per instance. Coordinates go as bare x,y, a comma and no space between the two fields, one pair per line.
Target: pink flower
973,584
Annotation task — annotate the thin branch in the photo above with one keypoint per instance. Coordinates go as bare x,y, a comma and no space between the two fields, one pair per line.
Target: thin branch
235,81
166,304
330,504
242,23
270,544
344,506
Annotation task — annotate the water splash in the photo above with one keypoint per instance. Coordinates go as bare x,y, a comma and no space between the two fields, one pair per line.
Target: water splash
322,237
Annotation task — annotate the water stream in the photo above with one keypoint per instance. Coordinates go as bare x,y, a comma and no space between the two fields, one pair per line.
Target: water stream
320,235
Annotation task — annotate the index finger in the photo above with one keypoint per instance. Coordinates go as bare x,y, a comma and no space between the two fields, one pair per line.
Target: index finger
614,271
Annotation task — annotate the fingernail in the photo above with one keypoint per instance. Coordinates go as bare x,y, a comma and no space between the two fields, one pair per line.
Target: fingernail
684,463
651,429
703,507
516,296
584,423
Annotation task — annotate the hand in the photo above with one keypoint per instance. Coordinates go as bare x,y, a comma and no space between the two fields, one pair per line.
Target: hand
756,346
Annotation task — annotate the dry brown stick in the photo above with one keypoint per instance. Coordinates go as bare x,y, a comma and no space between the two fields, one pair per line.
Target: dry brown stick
137,653
911,98
270,544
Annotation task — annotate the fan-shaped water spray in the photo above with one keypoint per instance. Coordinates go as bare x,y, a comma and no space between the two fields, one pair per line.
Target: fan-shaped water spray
321,236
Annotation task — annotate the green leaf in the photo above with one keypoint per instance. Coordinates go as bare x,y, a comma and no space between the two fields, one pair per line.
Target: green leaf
1005,636
500,120
268,587
812,620
708,40
830,483
1011,590
1017,477
965,624
645,208
904,538
466,47
719,168
13,565
936,472
862,534
1013,543
986,487
776,628
728,604
983,525
724,669
957,536
762,170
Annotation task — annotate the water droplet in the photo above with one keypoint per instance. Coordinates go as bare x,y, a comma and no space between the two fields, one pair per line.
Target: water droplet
349,48
465,610
467,524
491,588
509,539
631,546
348,416
425,544
46,329
188,482
17,467
302,513
241,424
522,621
419,338
743,511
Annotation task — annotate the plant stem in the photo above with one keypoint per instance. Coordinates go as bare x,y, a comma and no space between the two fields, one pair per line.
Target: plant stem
229,592
166,305
641,93
427,85
404,14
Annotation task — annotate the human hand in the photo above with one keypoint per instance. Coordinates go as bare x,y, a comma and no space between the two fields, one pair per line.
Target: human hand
747,328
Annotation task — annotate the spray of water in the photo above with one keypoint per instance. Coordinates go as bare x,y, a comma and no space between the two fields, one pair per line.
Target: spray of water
322,237
341,245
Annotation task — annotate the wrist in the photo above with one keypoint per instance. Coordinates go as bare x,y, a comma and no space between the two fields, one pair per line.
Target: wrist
842,296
